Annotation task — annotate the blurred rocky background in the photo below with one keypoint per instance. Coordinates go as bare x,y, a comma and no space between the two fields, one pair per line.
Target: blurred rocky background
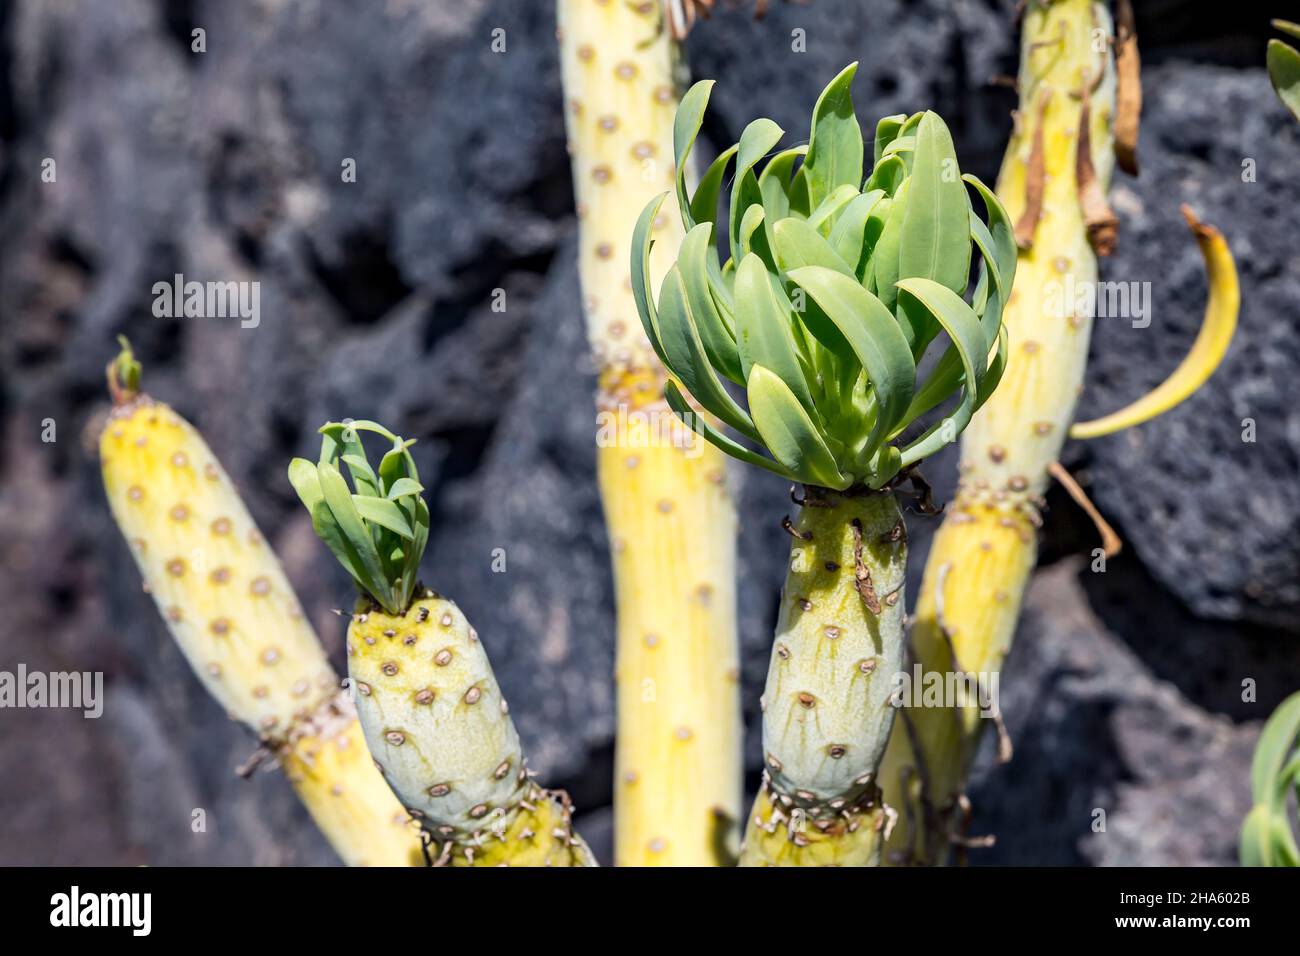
1124,689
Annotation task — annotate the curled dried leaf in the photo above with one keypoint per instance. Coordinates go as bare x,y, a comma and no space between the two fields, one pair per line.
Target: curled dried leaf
1128,97
1217,328
1098,217
1035,179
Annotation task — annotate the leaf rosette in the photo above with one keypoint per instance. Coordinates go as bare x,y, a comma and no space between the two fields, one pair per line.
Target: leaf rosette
379,531
835,286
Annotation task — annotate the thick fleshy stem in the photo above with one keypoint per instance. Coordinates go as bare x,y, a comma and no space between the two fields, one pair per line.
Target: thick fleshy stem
827,710
233,613
432,713
984,552
670,518
441,733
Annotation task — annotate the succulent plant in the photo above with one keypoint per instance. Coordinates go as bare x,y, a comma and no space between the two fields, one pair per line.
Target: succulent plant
668,511
1076,119
234,615
835,288
839,280
1267,835
432,713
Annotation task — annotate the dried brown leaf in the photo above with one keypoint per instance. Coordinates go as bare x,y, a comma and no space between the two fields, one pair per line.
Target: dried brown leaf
1128,97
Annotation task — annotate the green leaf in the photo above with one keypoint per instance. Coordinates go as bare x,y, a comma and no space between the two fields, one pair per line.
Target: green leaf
1005,251
935,241
1277,741
835,143
849,237
887,177
328,530
774,183
396,464
688,359
875,337
1284,73
700,425
799,244
753,237
764,334
402,487
686,126
384,513
1286,26
641,292
302,475
788,433
823,217
704,204
757,140
1266,837
715,333
957,318
346,516
363,476
887,128
993,374
884,257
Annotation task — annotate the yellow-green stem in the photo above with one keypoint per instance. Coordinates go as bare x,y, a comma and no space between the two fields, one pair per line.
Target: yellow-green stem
670,519
827,711
982,556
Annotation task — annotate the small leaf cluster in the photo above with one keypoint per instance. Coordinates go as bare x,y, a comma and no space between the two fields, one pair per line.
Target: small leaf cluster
379,531
835,285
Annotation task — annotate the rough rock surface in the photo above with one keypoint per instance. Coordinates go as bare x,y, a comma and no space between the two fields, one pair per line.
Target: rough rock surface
377,301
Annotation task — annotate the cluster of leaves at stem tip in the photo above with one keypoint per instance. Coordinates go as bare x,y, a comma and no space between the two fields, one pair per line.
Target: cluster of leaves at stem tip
1284,66
835,286
1266,837
379,532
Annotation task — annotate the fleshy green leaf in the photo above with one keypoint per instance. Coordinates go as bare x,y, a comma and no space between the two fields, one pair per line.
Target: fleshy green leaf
935,241
873,334
704,204
404,486
1284,73
302,475
887,128
884,258
1005,251
384,513
799,244
957,318
688,359
835,144
700,425
887,176
642,294
686,126
774,183
764,335
823,217
715,333
788,432
849,237
757,140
